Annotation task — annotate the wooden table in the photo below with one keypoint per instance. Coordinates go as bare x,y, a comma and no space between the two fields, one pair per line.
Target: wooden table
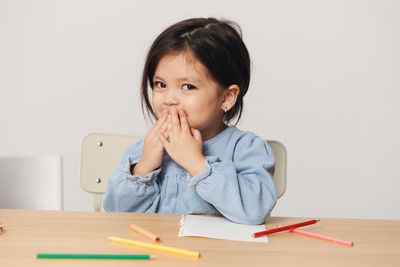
27,232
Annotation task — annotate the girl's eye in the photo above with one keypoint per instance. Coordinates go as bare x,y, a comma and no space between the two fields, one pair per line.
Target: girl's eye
188,87
160,84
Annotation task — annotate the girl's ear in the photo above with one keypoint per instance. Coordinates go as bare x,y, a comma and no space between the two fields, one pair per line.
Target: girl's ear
230,97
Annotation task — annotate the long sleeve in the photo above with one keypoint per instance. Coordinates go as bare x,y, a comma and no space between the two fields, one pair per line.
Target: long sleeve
241,187
127,192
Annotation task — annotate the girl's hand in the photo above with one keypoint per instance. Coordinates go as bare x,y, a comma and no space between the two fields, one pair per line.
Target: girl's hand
153,150
185,143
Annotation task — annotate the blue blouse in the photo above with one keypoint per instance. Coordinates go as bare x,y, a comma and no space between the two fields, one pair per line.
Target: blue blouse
237,182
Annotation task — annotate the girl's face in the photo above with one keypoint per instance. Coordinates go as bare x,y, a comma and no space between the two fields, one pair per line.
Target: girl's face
182,82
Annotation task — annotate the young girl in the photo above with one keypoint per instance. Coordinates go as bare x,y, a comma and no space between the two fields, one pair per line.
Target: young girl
191,161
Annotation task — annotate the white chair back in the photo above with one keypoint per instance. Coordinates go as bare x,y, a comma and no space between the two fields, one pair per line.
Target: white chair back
279,176
100,156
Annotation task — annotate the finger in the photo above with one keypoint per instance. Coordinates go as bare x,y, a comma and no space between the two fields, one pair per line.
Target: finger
163,118
184,122
164,130
158,124
170,127
175,121
164,142
196,134
162,124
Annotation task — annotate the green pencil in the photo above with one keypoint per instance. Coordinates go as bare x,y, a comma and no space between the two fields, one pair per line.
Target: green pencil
93,256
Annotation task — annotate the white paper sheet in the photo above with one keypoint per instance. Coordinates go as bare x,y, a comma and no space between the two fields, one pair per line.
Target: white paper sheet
220,228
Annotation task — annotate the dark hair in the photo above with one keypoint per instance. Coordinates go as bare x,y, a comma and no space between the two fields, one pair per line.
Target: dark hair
217,44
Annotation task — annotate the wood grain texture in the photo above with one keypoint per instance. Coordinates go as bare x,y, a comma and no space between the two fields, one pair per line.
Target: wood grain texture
27,232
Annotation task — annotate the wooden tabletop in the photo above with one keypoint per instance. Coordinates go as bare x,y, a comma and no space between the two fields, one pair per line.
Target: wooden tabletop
28,232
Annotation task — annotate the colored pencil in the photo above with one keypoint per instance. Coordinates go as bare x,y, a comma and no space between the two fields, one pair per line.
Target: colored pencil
324,237
154,246
93,256
284,228
145,233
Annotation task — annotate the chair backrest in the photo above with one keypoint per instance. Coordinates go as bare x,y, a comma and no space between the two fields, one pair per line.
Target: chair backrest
31,182
279,176
101,154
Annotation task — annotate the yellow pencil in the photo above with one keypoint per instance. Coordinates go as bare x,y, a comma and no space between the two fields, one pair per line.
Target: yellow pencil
154,246
144,232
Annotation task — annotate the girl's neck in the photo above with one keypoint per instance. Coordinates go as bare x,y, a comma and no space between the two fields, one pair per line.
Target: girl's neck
210,134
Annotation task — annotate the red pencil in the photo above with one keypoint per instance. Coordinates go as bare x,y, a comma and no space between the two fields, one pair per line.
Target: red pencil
284,228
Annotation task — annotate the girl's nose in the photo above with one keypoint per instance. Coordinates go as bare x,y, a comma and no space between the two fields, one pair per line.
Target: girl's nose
171,98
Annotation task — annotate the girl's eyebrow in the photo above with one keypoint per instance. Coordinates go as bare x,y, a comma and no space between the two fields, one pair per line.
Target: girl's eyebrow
157,78
183,79
190,79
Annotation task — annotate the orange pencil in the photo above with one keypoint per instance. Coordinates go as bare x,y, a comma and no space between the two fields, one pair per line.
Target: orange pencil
145,233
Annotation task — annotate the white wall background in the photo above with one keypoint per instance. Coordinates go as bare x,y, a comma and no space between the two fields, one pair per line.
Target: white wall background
325,82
